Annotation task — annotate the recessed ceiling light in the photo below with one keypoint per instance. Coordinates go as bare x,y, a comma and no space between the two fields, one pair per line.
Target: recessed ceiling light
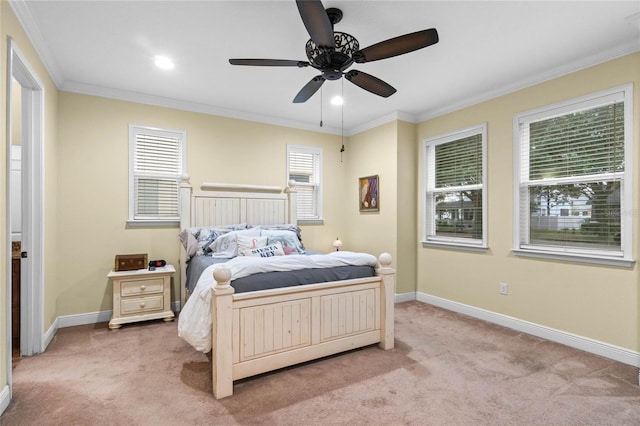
337,100
163,62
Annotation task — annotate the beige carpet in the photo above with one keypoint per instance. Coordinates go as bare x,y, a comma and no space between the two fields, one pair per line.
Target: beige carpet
446,369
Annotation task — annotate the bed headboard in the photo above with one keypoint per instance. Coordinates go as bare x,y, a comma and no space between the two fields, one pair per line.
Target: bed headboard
225,204
217,204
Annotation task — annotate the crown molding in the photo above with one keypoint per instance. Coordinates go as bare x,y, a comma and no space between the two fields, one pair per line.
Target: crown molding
565,69
29,23
387,118
141,98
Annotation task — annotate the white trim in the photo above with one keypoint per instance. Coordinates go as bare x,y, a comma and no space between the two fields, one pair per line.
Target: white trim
520,245
89,318
83,319
181,135
574,257
387,118
145,99
532,80
5,398
405,297
32,292
318,154
616,353
428,175
51,333
23,12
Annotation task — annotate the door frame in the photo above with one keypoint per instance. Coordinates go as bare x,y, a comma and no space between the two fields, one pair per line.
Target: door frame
32,278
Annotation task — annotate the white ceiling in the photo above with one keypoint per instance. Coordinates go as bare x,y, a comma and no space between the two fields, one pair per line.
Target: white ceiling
486,48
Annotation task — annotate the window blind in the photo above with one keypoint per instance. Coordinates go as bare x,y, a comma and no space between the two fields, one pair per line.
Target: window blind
455,193
584,143
157,168
572,168
304,169
459,163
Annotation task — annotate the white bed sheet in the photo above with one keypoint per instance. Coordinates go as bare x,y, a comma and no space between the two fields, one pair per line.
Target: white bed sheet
194,322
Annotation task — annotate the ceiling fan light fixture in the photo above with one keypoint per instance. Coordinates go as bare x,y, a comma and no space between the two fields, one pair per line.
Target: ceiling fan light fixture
332,52
338,57
163,62
337,100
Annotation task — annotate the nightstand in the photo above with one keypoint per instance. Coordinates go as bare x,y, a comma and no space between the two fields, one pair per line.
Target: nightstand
141,295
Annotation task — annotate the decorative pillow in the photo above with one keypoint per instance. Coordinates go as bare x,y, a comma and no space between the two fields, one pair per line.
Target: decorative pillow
189,242
290,242
196,240
226,245
246,242
267,251
205,237
286,227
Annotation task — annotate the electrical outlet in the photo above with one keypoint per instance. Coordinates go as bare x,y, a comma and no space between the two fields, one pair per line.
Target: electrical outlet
504,288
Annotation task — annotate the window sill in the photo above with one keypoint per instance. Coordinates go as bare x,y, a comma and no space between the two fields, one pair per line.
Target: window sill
575,257
174,223
310,221
455,246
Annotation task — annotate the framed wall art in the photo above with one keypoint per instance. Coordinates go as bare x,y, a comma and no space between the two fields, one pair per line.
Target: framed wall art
369,193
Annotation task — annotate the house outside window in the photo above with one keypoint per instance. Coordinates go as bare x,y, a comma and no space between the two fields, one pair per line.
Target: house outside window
455,182
157,161
573,179
304,166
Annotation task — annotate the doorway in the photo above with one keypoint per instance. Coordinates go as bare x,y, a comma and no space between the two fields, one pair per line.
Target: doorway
30,110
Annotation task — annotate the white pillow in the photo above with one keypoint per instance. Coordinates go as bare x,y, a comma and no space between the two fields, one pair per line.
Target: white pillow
226,245
268,251
246,242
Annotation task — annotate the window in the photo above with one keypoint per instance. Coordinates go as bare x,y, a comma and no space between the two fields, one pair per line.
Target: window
455,199
303,166
573,175
157,160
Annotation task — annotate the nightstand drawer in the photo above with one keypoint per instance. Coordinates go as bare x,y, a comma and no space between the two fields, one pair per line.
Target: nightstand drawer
141,304
141,295
139,287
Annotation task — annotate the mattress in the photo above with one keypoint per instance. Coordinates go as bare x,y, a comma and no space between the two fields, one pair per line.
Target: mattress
277,279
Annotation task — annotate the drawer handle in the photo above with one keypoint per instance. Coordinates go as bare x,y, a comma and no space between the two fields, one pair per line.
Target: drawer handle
142,287
142,305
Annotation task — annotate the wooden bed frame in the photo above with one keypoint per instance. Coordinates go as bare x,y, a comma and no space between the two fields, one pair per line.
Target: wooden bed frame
260,331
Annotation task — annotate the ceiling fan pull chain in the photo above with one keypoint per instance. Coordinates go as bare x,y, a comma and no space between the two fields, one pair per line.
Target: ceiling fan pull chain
321,106
342,112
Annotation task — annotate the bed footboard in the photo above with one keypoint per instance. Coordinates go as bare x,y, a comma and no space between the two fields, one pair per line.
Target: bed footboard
260,331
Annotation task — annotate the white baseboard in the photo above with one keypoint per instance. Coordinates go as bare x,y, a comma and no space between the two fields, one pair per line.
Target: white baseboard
49,334
405,297
5,398
606,350
82,319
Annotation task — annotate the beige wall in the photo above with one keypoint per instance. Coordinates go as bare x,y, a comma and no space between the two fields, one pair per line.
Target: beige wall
86,181
93,183
372,152
407,203
593,301
10,27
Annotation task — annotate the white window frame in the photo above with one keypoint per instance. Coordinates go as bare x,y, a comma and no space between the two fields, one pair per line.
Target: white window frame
521,246
317,153
429,218
135,129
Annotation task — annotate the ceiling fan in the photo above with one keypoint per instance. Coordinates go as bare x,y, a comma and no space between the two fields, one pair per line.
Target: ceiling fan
332,52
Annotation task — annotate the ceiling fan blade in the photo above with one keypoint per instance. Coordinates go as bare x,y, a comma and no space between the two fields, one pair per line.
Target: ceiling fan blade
370,83
269,62
309,89
317,22
397,46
